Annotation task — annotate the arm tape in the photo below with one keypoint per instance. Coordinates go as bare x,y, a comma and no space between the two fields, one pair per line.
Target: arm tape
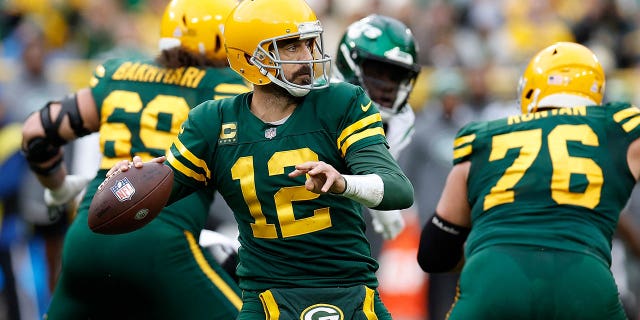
51,128
441,245
70,108
42,149
366,189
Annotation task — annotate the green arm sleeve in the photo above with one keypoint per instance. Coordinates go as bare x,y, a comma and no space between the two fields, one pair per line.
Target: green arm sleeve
178,191
398,190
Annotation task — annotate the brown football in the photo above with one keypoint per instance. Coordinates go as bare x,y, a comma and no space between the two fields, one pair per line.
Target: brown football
129,200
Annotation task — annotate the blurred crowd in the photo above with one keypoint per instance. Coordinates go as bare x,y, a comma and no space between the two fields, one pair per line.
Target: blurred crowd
472,52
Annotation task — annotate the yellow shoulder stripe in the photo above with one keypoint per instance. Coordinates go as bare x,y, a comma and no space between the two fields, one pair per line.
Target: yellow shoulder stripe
358,136
463,140
191,157
357,126
462,146
625,113
631,124
183,169
462,152
632,113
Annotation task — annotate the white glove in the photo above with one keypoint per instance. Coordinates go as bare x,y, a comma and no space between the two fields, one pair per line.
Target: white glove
72,186
220,246
387,223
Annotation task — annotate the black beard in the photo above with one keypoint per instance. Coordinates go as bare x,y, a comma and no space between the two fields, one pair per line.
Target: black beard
305,70
282,93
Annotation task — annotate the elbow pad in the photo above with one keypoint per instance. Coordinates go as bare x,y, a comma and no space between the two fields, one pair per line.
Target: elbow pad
42,149
441,245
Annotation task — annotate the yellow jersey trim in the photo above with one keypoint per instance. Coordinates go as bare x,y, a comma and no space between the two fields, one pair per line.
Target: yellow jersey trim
359,136
183,169
358,125
211,274
626,113
191,157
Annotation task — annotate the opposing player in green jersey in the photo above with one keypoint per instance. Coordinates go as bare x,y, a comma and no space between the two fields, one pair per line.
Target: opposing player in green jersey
295,159
537,197
137,106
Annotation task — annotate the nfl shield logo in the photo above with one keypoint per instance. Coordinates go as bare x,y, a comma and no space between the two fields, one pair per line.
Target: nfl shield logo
123,190
270,133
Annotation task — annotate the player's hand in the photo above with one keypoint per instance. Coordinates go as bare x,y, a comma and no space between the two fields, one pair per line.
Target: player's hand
124,165
387,223
70,188
321,177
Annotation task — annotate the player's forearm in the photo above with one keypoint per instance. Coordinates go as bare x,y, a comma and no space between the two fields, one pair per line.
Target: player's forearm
55,179
178,191
397,190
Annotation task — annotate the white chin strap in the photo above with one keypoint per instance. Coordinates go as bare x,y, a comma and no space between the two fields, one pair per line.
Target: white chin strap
296,92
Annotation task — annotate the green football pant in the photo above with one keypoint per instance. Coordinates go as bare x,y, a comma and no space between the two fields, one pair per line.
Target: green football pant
352,303
524,282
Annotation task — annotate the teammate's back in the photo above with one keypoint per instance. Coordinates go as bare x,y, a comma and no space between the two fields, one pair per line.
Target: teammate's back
538,179
542,196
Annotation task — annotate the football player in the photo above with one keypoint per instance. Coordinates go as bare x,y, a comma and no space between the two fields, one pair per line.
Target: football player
533,200
379,53
295,159
137,106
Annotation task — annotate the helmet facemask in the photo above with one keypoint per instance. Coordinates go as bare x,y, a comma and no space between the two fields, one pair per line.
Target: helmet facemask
387,84
379,53
267,58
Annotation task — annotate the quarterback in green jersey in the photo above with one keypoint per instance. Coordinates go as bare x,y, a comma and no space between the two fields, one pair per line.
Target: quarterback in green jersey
137,106
534,199
295,159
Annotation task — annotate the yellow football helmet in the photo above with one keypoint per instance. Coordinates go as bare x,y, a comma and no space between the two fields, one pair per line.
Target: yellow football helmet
564,74
252,31
196,26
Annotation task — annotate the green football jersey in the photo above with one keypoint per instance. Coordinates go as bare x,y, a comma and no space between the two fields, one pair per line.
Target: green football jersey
288,234
141,107
552,179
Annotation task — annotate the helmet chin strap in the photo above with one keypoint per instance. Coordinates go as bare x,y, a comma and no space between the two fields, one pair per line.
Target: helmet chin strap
296,92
